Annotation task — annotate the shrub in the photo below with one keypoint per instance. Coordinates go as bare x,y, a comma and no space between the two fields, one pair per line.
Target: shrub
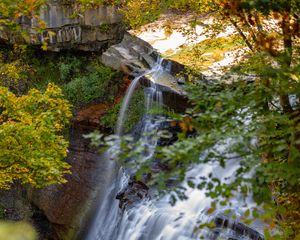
83,89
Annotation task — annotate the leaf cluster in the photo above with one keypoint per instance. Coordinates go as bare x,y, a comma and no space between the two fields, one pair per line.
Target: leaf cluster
32,147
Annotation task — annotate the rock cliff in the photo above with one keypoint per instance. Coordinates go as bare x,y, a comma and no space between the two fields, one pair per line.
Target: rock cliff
93,30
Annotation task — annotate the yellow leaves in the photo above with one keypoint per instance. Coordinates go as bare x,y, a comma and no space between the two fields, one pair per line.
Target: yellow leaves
44,46
210,211
277,16
219,106
32,150
268,42
11,74
138,13
31,2
294,77
58,126
173,123
186,124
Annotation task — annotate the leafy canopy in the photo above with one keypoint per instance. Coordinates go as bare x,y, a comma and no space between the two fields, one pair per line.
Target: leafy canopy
32,147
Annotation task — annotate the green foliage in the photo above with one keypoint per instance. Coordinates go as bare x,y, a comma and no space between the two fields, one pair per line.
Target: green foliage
110,119
11,10
53,68
134,114
2,212
161,110
32,148
84,89
241,113
69,66
14,75
104,28
82,79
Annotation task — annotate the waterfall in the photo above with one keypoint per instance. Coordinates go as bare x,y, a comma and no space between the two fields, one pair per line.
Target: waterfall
155,72
155,218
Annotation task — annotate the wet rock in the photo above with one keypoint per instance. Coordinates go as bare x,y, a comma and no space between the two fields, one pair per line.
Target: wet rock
15,206
173,98
168,133
133,193
167,129
238,228
135,57
90,115
68,206
42,225
181,80
133,51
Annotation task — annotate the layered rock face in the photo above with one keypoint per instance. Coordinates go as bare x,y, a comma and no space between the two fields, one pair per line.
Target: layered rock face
135,57
67,207
94,30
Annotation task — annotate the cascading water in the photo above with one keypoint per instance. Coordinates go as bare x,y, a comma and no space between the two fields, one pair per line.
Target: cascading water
155,218
155,72
106,221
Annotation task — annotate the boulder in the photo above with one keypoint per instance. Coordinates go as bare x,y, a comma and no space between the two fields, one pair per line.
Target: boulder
136,57
132,56
134,192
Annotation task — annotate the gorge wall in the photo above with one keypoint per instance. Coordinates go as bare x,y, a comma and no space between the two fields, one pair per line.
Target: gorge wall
92,30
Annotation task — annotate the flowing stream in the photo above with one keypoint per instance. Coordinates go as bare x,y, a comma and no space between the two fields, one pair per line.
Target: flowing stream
155,218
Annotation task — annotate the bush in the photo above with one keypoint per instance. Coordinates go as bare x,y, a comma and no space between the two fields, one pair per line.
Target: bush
84,89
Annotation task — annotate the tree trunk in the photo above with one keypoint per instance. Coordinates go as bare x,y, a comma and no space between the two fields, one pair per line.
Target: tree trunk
285,104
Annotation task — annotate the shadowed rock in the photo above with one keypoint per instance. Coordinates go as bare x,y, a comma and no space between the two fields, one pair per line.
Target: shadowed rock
133,193
237,227
68,207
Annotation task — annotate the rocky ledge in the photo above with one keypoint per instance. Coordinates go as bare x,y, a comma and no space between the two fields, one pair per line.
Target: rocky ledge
135,57
93,30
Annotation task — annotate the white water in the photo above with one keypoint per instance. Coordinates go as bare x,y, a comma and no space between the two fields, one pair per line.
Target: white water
156,219
155,71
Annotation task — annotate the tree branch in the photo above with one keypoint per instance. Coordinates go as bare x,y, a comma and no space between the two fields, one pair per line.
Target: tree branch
241,34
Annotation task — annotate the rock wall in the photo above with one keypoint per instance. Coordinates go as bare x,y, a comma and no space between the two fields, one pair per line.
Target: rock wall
67,207
134,56
94,30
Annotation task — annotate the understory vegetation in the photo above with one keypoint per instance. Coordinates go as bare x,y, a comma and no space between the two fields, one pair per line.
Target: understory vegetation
38,93
134,113
74,74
